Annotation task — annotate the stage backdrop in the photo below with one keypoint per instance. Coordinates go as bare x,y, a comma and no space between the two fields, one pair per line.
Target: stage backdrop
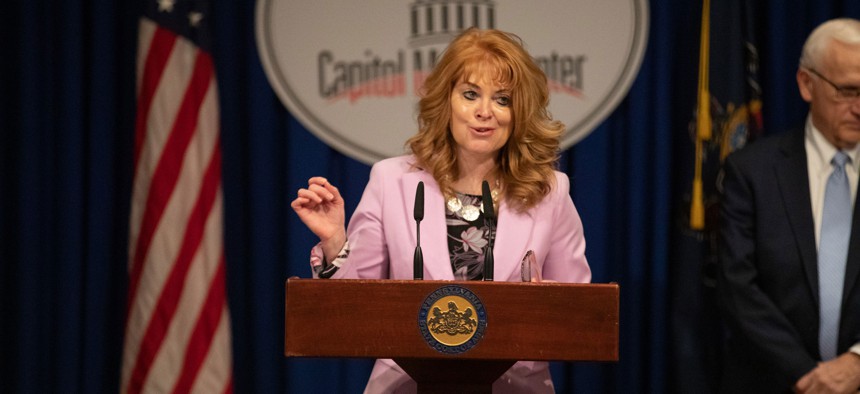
356,84
67,100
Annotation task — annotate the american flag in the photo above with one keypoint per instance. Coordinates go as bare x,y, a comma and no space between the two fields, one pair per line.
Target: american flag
177,333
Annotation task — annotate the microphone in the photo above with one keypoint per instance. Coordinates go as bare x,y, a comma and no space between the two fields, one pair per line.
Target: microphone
490,217
418,213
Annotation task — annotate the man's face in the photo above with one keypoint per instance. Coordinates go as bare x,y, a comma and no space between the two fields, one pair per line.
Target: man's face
837,118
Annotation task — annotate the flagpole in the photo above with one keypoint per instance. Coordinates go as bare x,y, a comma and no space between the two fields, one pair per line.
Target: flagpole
703,120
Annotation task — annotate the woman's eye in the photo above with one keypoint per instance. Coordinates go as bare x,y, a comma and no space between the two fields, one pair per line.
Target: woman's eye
470,95
504,101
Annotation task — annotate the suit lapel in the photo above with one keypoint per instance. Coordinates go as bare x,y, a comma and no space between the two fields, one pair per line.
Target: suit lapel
793,179
852,269
512,231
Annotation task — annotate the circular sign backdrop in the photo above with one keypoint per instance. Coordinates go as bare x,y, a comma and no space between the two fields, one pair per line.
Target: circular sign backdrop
350,70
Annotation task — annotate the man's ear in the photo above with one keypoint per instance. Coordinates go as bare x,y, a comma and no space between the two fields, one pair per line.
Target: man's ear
804,84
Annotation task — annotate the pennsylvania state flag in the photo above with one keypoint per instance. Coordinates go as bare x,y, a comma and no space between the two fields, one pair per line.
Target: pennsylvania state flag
726,115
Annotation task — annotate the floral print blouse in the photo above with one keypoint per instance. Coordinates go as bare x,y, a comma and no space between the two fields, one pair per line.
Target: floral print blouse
467,239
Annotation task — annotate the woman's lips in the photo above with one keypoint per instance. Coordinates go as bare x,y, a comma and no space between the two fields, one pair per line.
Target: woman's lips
483,130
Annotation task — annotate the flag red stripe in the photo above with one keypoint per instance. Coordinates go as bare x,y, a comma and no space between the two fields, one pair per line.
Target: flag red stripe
163,184
160,46
228,388
167,172
204,330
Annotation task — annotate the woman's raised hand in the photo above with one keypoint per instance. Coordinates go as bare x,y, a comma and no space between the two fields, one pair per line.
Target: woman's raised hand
321,208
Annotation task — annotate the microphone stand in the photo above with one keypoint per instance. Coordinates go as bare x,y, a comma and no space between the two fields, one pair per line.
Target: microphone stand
490,217
418,213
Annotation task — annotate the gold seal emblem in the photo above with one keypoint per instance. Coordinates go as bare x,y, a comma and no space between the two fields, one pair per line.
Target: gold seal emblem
452,321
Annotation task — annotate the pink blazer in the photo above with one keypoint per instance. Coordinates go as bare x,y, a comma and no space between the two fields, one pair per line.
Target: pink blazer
382,239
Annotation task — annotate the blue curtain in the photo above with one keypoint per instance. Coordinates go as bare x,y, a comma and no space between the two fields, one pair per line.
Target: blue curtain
67,97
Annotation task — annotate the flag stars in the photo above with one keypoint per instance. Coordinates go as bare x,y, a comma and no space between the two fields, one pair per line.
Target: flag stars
194,18
166,5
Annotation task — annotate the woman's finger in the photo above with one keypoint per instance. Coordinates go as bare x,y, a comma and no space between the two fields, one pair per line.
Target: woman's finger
299,202
322,192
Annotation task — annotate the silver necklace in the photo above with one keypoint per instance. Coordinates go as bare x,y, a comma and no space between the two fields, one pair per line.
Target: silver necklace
465,207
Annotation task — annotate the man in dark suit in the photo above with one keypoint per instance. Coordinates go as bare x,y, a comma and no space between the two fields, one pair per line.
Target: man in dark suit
789,259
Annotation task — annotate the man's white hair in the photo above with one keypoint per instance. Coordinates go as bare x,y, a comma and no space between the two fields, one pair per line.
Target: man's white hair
844,30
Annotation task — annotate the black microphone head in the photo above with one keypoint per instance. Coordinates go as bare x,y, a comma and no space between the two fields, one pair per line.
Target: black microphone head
419,202
489,210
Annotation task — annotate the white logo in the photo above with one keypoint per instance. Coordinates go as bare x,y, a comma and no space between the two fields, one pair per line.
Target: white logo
350,70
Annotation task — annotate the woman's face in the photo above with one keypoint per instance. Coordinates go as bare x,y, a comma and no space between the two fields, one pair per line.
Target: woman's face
480,117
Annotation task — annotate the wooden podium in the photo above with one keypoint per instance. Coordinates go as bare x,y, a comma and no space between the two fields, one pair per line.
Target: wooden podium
381,319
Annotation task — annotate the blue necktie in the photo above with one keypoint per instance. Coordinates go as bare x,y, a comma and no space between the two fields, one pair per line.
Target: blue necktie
832,254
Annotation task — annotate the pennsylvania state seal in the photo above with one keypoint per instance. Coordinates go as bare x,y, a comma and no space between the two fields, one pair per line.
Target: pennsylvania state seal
452,319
